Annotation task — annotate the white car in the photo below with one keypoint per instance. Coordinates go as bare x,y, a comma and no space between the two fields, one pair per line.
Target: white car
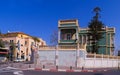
3,59
18,60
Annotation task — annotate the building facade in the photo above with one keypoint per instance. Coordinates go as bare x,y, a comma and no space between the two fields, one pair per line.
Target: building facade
69,33
24,44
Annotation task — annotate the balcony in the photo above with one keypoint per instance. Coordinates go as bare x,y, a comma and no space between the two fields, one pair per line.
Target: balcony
67,23
67,41
111,30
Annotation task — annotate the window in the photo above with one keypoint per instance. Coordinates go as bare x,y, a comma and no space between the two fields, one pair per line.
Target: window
32,43
11,41
80,39
25,42
62,36
68,36
84,39
21,44
112,39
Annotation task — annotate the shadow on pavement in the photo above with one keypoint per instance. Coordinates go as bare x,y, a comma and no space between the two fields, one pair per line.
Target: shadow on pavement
98,74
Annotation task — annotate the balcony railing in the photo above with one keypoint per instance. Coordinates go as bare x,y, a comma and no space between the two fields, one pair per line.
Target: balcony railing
67,41
102,56
63,47
110,29
67,47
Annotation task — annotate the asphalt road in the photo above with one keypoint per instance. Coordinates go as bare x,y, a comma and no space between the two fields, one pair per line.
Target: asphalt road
10,71
16,71
32,72
113,72
7,73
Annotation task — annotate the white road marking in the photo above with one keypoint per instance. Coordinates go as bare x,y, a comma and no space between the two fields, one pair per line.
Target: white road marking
18,73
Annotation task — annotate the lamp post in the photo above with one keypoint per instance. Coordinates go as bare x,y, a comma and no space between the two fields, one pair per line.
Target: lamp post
118,64
77,50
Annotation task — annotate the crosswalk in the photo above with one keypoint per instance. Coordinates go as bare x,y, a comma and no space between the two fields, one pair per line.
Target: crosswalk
14,71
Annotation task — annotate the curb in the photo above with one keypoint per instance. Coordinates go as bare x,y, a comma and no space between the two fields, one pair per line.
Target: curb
64,70
39,69
53,70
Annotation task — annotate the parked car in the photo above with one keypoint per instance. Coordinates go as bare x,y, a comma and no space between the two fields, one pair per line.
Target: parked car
18,60
3,59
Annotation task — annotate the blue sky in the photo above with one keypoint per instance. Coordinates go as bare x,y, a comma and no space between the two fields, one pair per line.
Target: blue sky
40,17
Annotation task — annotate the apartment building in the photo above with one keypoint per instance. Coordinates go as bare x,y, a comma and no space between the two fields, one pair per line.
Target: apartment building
24,44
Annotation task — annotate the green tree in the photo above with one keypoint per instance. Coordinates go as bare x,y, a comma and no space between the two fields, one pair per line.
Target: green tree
95,28
12,51
2,45
0,32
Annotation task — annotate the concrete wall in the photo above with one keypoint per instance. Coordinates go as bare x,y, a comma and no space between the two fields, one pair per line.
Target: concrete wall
65,58
68,58
47,57
100,63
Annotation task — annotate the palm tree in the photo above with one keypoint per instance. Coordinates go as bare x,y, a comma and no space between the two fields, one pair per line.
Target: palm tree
95,28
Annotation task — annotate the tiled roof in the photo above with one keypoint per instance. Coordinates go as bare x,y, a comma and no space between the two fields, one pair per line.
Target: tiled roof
13,34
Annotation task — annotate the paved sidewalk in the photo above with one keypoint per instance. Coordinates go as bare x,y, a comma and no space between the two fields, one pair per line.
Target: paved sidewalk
27,66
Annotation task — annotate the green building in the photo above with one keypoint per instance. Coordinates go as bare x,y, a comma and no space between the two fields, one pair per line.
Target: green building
70,34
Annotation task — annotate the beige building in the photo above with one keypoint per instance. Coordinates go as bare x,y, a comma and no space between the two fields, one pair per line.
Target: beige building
24,44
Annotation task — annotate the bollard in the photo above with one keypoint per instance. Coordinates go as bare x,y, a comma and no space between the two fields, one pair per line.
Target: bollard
56,66
43,66
82,68
29,66
70,67
118,67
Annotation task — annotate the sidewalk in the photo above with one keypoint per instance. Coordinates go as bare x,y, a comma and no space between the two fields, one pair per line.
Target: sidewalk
24,66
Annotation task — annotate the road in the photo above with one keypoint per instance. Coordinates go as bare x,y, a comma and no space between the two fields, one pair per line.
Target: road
10,71
71,73
7,73
34,72
7,70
